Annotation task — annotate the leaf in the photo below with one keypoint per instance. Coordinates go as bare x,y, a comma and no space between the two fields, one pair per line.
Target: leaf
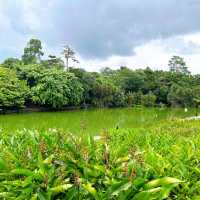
122,188
34,197
148,194
41,196
60,188
22,172
162,182
90,189
196,198
4,195
3,165
48,160
122,160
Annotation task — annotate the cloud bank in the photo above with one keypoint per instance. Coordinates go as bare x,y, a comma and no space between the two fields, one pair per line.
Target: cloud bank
103,30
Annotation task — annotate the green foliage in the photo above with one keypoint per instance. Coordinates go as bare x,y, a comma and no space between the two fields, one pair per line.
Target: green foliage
12,63
130,81
120,164
53,62
32,73
177,64
32,52
119,99
148,100
108,88
131,99
157,163
13,91
179,96
57,88
102,93
88,80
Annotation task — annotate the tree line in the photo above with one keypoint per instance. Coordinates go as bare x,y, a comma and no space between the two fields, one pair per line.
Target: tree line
32,81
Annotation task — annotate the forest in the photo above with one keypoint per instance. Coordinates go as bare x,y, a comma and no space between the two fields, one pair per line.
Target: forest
31,81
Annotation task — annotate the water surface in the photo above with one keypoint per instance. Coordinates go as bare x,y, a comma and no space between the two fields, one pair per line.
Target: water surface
93,120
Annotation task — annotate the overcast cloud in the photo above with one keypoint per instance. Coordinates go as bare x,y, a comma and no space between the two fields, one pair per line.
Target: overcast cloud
105,32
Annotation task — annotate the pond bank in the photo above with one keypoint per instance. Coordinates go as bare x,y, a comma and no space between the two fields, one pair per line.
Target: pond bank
43,109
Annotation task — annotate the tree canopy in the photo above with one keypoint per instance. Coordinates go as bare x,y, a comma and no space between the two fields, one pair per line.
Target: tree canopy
34,80
13,92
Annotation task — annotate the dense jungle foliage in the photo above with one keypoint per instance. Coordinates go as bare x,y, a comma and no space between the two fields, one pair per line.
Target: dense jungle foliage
33,81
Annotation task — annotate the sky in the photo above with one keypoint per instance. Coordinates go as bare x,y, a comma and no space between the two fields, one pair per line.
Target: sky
105,33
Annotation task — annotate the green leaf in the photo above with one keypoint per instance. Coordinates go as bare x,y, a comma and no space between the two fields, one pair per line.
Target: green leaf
60,188
122,188
148,194
162,182
23,172
90,189
3,165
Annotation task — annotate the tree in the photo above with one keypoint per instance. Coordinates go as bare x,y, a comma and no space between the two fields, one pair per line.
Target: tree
69,54
53,61
88,80
32,52
131,81
102,93
177,64
13,92
57,88
180,96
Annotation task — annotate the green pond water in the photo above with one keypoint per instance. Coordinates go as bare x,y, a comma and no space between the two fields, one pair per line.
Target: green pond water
93,120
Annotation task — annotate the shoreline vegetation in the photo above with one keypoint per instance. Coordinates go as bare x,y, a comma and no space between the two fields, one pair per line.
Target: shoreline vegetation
157,163
36,83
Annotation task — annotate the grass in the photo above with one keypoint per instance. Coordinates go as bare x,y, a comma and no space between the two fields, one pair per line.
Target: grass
161,162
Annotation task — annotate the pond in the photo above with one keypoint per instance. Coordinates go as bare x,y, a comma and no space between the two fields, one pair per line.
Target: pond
93,120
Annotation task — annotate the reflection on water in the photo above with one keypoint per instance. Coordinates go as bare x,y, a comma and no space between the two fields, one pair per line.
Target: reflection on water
93,120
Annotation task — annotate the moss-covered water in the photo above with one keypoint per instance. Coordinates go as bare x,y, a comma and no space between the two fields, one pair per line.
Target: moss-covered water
93,120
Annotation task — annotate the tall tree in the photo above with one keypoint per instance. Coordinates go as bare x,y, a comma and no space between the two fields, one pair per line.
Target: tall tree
177,64
69,54
32,52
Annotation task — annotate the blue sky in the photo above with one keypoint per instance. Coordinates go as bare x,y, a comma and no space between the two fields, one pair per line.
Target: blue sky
137,33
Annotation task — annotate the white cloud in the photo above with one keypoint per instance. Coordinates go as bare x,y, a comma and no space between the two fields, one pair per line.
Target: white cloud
154,54
51,21
193,37
29,16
